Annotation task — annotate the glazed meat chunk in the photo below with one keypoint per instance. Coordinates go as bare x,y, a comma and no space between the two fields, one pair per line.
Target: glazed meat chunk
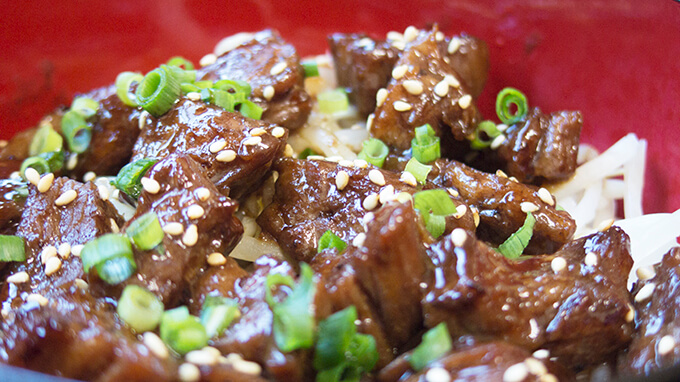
12,199
234,151
470,59
268,64
574,303
218,280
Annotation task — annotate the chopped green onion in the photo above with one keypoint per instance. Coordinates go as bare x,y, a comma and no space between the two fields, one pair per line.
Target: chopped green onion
123,82
76,131
112,256
179,74
490,130
145,232
181,331
181,62
116,270
374,151
187,87
418,169
46,139
331,240
12,248
223,99
307,152
505,99
333,101
206,84
250,109
435,344
425,146
129,178
333,338
217,314
139,308
434,206
86,107
55,159
159,90
293,325
362,353
514,246
38,163
235,86
311,68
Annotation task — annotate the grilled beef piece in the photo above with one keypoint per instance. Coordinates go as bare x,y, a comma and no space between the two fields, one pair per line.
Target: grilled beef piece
657,303
574,303
194,128
307,203
499,202
543,146
470,59
76,336
256,62
12,200
423,89
171,268
17,147
220,280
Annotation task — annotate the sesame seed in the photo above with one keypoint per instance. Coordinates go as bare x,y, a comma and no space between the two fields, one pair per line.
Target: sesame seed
190,237
3,143
173,228
64,250
535,366
645,273
116,194
665,345
368,217
278,132
465,101
66,198
360,163
548,378
387,194
414,87
557,264
399,71
408,178
316,157
410,34
188,372
497,142
380,97
194,96
501,174
216,259
437,374
403,197
516,373
454,44
45,182
541,354
501,127
458,237
18,278
369,121
72,161
371,201
605,225
394,35
103,192
528,207
441,88
150,185
81,284
288,151
201,357
591,259
38,298
202,193
243,366
278,68
399,45
359,239
141,123
401,106
114,226
475,216
214,351
460,211
217,146
451,80
439,36
47,253
341,180
32,175
630,315
76,249
226,156
645,292
195,211
545,196
268,92
252,141
453,192
15,175
208,59
256,132
376,177
155,345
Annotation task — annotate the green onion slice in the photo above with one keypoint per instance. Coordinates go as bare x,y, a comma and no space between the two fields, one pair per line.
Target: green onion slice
181,62
419,170
489,129
425,147
374,151
86,107
145,232
123,82
107,249
250,109
434,206
435,344
159,90
139,308
362,353
223,99
234,86
46,139
333,338
181,331
129,178
307,152
12,248
333,101
76,131
38,163
504,101
514,246
311,68
217,314
331,240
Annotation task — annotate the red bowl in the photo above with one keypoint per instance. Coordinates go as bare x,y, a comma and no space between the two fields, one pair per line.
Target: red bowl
617,61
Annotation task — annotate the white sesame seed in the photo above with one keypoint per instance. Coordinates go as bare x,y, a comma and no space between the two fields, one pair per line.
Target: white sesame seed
18,278
399,45
545,196
359,239
116,194
214,351
64,250
3,143
278,68
410,34
557,264
72,161
32,175
475,216
528,207
516,373
541,354
387,194
630,315
394,35
665,345
454,44
226,156
341,180
45,182
76,249
188,372
535,366
399,71
114,226
38,298
590,259
150,185
258,131
66,198
360,163
460,211
103,192
194,96
408,178
458,237
278,132
243,366
201,357
380,97
645,273
190,237
501,174
645,292
288,151
15,175
268,92
316,157
252,141
414,87
497,142
47,253
155,345
401,106
437,374
173,228
216,259
548,378
217,146
202,193
605,225
81,284
439,36
453,192
195,211
441,88
403,197
368,217
501,127
376,177
465,101
208,59
451,80
371,201
141,123
369,121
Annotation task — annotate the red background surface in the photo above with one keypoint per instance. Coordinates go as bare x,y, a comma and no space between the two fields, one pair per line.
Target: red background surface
616,61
